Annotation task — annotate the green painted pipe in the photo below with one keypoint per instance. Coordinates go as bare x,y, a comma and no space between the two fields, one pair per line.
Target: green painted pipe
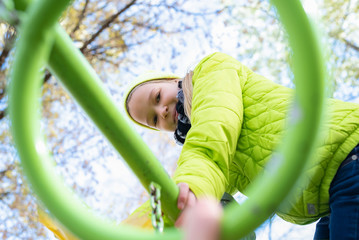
285,167
69,66
33,48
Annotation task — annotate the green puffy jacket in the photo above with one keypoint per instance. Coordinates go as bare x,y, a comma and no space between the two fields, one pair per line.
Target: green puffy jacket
237,120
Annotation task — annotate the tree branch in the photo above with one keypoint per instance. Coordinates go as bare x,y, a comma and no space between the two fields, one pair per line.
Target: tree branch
186,12
47,76
9,38
3,172
105,25
3,195
4,54
351,45
81,17
2,114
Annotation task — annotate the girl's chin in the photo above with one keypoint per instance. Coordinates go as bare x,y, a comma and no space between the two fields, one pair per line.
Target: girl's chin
170,130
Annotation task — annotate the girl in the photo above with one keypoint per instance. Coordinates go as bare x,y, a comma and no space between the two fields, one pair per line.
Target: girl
236,119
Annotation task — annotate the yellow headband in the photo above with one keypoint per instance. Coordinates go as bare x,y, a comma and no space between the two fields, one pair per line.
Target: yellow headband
146,77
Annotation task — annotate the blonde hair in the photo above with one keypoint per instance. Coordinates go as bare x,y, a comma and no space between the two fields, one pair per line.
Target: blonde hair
187,88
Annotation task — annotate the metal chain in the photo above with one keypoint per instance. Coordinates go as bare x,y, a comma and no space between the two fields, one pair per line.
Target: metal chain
156,217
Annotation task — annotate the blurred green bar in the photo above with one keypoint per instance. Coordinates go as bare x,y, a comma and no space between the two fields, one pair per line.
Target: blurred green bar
70,67
288,160
37,37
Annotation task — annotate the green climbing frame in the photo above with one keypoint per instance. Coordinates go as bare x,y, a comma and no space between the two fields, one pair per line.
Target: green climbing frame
43,42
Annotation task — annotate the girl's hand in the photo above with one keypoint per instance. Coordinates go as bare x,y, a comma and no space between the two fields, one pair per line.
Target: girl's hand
202,222
186,199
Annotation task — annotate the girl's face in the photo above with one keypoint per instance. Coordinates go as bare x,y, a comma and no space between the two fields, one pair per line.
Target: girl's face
154,105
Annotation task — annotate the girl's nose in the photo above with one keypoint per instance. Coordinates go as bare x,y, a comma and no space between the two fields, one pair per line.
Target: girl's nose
163,112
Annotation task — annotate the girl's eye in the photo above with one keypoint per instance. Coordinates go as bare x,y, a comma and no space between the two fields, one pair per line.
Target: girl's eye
155,120
158,97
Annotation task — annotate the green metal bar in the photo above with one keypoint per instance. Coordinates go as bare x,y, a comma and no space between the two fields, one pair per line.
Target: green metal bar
69,66
285,167
22,4
32,50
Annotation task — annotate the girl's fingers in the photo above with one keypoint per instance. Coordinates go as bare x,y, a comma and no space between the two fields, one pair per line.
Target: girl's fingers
191,201
183,195
179,220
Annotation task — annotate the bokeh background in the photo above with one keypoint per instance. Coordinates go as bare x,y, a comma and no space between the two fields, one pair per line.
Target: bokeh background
122,39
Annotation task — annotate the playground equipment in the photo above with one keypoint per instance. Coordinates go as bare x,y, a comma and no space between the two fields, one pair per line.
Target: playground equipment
43,42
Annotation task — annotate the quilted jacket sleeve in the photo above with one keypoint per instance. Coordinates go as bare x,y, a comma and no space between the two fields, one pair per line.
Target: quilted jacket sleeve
216,118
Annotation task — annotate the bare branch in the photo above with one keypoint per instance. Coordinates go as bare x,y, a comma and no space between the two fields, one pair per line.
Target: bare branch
2,114
105,25
2,173
189,13
81,17
3,56
9,38
47,76
3,195
158,28
2,94
351,45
